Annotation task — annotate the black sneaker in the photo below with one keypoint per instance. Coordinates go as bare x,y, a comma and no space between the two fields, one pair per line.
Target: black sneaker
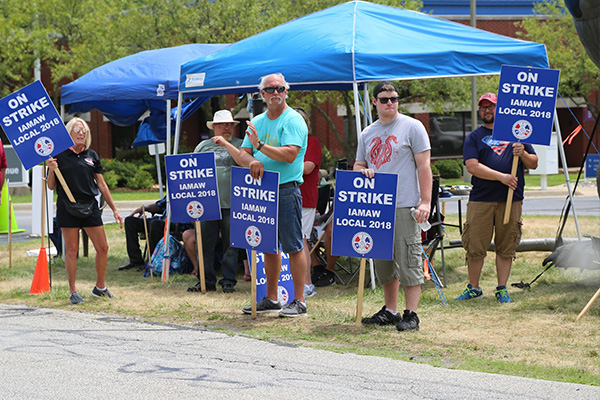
264,306
228,288
101,293
295,309
326,279
409,322
382,317
197,288
317,272
130,265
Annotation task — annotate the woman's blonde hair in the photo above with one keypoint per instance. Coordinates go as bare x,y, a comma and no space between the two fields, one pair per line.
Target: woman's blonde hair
88,135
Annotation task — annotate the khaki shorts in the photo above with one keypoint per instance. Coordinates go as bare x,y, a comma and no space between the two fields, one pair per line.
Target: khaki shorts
486,218
407,265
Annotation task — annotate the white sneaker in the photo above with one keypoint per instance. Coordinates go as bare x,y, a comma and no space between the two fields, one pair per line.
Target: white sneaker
309,290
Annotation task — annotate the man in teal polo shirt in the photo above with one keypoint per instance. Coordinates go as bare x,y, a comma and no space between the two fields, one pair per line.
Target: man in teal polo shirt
276,141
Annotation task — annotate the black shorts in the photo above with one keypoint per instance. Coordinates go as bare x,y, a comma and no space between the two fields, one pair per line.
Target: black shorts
66,220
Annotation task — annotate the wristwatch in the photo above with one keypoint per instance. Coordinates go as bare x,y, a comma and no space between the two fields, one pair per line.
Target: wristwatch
260,145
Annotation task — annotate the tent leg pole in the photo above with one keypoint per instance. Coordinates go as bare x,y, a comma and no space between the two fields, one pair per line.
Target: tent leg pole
356,109
159,173
561,151
178,122
168,125
367,117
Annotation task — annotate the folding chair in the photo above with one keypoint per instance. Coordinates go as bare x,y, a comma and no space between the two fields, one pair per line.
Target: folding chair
432,239
318,248
325,213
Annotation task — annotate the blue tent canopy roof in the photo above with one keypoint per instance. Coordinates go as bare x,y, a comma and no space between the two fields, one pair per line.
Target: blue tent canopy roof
357,42
124,89
135,77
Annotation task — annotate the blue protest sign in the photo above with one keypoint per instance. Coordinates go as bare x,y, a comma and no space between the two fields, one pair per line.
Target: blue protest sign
526,104
285,287
192,187
364,214
33,125
592,161
254,210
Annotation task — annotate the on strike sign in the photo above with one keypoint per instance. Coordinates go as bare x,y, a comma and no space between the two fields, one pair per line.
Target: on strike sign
33,125
192,183
254,210
526,103
364,215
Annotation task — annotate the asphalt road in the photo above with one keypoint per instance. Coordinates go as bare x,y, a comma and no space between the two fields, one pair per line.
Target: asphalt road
585,206
59,354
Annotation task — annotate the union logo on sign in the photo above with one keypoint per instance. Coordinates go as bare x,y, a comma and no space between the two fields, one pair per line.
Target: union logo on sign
253,236
282,295
522,129
44,146
195,209
362,243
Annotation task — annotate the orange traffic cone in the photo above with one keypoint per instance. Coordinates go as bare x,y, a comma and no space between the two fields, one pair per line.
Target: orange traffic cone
41,278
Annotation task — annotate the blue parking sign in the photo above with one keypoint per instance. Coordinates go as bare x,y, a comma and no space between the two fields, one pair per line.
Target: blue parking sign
33,125
192,187
254,210
592,162
526,104
364,215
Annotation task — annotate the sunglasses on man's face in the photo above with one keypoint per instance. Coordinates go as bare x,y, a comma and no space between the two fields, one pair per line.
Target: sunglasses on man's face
272,89
384,100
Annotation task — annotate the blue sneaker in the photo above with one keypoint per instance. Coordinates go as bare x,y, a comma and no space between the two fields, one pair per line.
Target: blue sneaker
470,293
502,295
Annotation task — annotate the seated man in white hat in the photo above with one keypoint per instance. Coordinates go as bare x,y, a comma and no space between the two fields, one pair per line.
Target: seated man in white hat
223,127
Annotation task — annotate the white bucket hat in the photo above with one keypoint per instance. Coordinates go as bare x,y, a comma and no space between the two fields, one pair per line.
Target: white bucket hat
222,117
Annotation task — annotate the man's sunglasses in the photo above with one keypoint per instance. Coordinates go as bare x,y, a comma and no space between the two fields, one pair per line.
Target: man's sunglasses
272,89
385,100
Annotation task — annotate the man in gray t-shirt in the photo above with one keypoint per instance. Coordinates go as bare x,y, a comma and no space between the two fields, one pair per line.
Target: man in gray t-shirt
399,144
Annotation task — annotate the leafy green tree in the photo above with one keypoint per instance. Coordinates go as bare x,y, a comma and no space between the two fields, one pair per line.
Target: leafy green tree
553,26
71,37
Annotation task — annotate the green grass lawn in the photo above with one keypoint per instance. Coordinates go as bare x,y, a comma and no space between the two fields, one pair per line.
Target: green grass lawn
537,336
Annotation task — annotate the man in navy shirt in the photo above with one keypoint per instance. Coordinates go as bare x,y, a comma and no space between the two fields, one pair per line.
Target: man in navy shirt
490,163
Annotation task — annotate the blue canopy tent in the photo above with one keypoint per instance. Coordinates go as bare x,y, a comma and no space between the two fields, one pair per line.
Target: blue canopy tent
124,89
352,44
355,43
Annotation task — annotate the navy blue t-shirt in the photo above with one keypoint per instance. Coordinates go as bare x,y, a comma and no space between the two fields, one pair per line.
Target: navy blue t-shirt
497,155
